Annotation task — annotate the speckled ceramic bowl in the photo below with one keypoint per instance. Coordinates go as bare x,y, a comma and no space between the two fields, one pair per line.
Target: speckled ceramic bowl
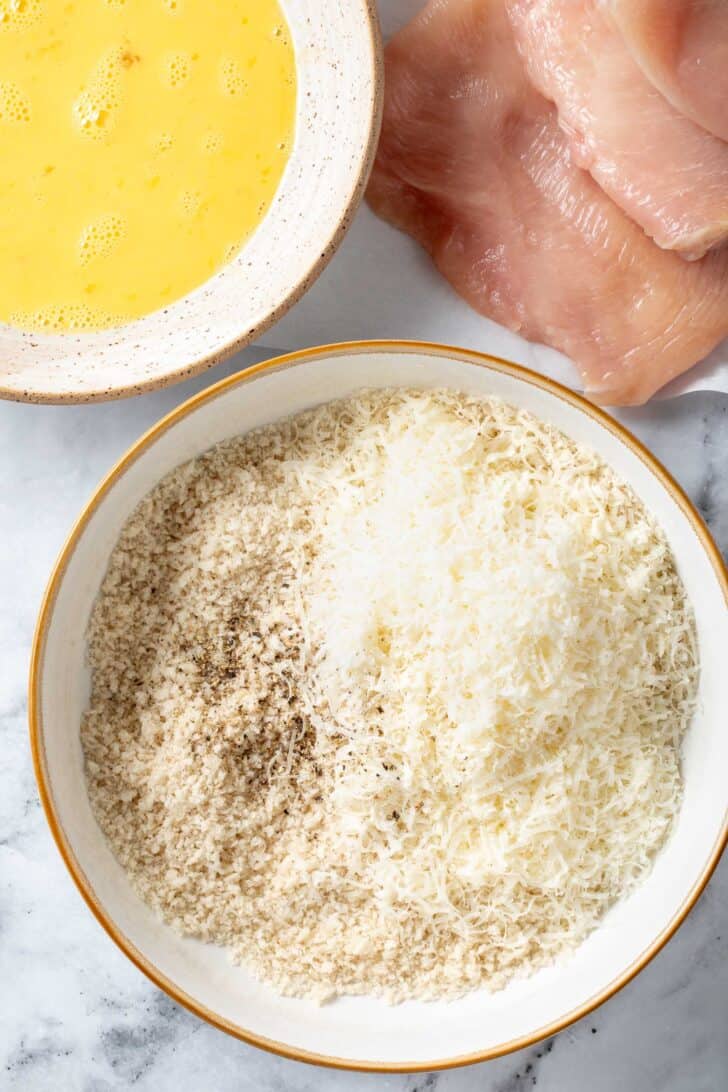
364,1032
339,67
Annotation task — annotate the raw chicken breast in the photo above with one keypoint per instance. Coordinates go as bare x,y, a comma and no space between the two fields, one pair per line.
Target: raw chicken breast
670,175
473,164
682,47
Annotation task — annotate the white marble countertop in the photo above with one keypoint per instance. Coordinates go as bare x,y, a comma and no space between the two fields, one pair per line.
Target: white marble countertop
76,1015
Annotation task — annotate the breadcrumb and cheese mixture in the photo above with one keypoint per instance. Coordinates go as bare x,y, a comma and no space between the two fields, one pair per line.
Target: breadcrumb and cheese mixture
388,697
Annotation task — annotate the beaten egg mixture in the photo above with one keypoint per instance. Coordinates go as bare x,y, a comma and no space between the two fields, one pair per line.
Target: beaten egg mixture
141,142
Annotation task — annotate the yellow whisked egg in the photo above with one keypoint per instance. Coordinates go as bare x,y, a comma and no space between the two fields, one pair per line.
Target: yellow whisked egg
141,142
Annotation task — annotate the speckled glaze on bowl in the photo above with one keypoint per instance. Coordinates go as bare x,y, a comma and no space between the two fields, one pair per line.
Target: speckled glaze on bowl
364,1032
339,68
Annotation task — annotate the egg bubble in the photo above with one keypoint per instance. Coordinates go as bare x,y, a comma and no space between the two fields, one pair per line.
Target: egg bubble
190,202
212,141
232,81
176,69
14,104
19,14
96,108
163,142
101,237
56,317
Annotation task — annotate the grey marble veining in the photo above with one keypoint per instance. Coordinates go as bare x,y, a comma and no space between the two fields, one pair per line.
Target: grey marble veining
76,1015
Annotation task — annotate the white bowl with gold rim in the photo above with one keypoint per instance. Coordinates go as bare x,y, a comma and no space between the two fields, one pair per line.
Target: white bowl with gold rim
338,109
364,1032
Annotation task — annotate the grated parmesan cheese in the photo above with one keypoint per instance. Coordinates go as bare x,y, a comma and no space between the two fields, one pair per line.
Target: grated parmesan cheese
487,663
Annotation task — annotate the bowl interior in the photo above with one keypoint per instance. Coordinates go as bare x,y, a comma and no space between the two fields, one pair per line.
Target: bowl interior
365,1030
337,115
